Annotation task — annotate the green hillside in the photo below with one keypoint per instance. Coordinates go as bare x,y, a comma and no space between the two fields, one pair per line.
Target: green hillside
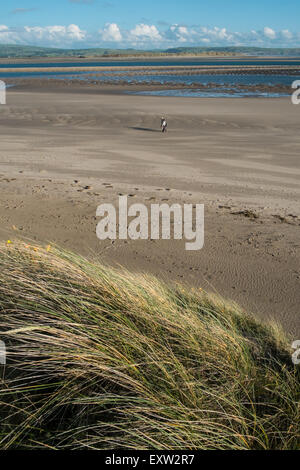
18,52
12,51
257,51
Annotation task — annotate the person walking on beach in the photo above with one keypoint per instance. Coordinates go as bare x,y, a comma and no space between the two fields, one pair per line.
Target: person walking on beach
163,124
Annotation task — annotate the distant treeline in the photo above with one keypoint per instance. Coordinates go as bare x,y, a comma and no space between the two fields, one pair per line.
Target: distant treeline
256,51
13,51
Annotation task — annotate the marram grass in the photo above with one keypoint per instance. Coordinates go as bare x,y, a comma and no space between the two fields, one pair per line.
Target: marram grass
104,359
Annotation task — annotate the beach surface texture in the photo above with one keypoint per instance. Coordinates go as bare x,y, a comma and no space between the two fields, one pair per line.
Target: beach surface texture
66,148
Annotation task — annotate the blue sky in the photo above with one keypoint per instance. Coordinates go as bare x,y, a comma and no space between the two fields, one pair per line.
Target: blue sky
153,24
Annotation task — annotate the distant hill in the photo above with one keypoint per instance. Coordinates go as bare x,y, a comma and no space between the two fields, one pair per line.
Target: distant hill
253,51
12,51
18,52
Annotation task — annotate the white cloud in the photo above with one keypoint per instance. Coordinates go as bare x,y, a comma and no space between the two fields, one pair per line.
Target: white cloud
56,35
111,32
269,33
75,32
145,32
286,34
179,33
194,36
219,34
145,35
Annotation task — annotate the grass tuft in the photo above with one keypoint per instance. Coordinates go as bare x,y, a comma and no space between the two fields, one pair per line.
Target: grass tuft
105,359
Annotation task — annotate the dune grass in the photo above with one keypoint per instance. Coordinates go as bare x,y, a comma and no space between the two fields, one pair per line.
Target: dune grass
104,359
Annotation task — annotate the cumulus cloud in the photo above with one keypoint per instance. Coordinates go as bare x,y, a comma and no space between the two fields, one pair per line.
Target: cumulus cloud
269,33
145,32
198,36
178,33
56,35
111,32
217,34
286,34
144,35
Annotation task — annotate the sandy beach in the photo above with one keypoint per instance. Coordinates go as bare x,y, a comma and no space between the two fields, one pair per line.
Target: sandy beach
67,149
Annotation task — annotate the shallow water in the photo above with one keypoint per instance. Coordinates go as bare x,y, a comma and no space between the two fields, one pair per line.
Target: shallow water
194,93
203,79
219,84
169,62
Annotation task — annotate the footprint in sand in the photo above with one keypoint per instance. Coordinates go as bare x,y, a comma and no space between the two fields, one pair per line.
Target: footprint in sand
9,180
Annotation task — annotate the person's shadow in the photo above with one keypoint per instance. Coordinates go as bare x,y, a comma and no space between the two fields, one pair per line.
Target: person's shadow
145,129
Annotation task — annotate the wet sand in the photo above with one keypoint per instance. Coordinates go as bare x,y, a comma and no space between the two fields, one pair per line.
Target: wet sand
67,149
164,69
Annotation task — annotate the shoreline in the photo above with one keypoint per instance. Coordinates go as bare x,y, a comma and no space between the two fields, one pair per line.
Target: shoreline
166,69
147,58
75,84
134,78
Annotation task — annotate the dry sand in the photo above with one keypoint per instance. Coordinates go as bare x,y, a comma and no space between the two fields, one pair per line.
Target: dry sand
64,151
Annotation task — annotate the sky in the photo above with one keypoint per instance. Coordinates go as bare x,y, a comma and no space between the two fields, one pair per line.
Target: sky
155,24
